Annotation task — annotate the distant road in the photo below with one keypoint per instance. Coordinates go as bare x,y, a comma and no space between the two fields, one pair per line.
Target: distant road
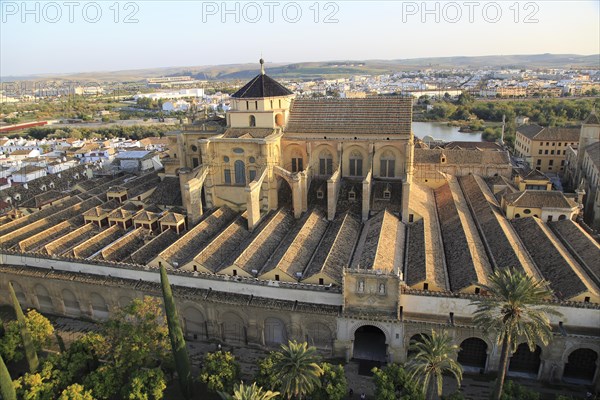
125,122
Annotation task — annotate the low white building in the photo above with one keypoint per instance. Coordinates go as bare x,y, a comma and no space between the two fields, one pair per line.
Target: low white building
59,166
23,154
28,174
179,105
137,161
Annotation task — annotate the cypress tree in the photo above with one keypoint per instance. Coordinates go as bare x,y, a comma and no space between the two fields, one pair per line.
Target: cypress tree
30,353
180,354
6,385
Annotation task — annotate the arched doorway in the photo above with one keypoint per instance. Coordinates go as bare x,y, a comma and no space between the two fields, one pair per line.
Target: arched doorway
99,307
319,335
20,294
525,362
473,354
274,333
44,300
418,338
71,303
284,194
233,328
581,366
194,322
369,344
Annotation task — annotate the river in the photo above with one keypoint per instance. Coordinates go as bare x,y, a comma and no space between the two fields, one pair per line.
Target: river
441,131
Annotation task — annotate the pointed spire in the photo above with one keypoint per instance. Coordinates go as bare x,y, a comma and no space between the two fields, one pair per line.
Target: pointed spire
262,66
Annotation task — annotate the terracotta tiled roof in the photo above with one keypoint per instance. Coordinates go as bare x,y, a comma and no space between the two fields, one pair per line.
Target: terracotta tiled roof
583,247
375,115
563,280
172,217
456,156
536,132
461,269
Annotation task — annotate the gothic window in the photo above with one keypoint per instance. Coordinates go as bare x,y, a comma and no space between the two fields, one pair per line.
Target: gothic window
252,121
325,163
297,162
356,163
387,168
240,172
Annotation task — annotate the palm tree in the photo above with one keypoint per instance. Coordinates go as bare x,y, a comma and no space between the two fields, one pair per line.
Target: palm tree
433,357
298,369
514,312
245,392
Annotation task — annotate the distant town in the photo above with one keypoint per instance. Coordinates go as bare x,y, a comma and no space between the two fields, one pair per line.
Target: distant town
356,221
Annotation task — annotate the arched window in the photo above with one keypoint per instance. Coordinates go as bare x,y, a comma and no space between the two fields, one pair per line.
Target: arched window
240,172
252,121
356,163
279,119
562,217
387,167
297,161
325,163
527,211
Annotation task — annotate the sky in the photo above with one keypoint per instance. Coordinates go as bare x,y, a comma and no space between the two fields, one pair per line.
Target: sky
85,36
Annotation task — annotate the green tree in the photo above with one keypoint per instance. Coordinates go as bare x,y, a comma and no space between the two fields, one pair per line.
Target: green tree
6,385
105,382
394,382
464,98
28,345
137,336
37,385
220,371
82,357
76,392
146,384
333,383
514,311
40,330
245,392
265,376
432,358
514,391
11,343
298,369
180,353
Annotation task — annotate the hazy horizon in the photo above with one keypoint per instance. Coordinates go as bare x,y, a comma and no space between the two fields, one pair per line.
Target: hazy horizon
39,38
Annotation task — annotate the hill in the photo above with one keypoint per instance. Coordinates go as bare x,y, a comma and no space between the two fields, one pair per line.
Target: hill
333,69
